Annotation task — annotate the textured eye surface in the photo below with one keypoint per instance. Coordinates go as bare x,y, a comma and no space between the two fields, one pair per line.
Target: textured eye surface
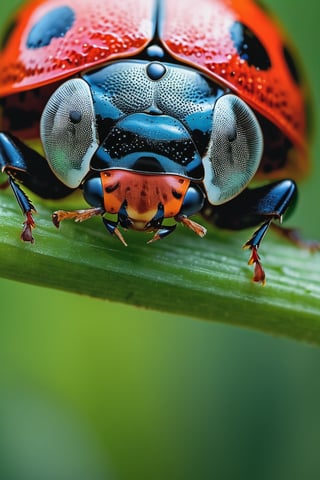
234,151
68,131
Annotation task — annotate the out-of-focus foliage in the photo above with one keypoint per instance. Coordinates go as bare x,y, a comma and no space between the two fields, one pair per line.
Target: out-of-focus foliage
92,389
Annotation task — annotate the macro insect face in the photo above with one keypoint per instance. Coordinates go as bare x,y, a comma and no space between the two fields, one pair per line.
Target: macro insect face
156,111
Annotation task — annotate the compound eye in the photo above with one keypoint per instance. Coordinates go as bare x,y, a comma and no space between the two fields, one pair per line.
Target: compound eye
68,131
234,151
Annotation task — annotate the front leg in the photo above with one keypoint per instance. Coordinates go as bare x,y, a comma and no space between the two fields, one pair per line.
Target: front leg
24,165
27,209
258,206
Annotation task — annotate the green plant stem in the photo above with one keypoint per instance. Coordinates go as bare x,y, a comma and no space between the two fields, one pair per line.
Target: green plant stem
205,278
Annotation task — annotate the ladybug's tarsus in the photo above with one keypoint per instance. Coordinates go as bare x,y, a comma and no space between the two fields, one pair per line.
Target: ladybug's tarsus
28,225
259,273
254,243
252,207
200,230
27,208
76,215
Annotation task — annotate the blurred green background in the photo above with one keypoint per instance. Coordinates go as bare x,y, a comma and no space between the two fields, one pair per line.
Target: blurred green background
93,390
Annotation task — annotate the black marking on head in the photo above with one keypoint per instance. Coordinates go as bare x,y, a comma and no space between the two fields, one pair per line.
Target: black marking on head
53,24
112,188
291,65
176,194
148,164
249,46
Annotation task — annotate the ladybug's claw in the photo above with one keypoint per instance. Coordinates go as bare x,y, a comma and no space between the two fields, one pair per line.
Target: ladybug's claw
119,235
253,243
27,208
113,229
162,232
259,273
28,225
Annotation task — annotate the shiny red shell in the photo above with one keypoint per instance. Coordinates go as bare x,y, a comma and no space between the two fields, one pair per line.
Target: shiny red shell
195,32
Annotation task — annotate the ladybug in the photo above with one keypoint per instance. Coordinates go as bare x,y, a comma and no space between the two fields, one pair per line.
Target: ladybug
157,110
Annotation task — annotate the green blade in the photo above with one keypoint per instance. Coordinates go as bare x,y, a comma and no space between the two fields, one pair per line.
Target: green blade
205,278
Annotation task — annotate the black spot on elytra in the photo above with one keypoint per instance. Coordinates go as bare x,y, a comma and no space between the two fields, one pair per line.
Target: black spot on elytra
249,47
291,65
53,24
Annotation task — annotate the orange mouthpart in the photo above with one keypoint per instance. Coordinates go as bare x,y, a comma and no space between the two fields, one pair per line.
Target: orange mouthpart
143,193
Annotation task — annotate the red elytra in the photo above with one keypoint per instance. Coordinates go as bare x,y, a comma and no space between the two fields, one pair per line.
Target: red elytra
101,31
195,33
